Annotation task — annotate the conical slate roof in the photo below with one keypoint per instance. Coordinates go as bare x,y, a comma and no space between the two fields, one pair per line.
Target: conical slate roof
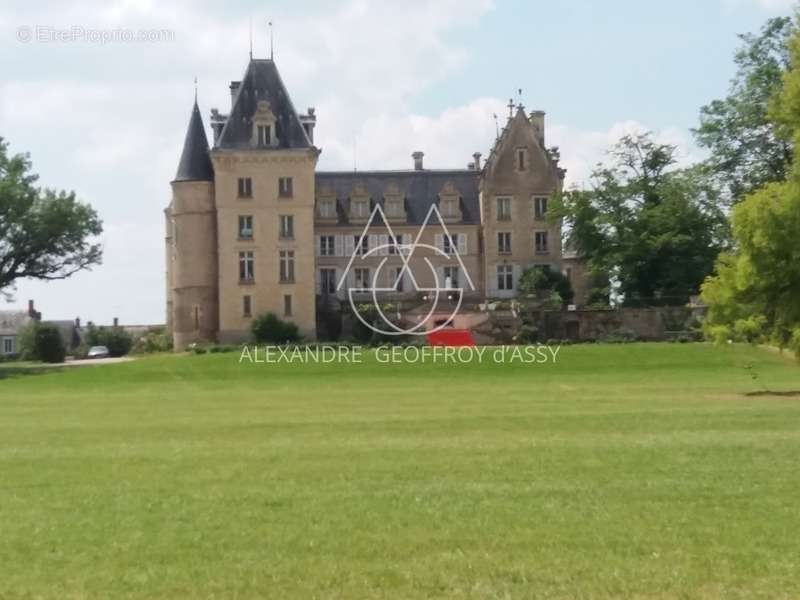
195,163
262,82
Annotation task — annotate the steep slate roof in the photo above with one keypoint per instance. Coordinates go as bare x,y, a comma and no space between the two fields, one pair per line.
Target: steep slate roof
262,82
11,321
420,189
520,119
195,164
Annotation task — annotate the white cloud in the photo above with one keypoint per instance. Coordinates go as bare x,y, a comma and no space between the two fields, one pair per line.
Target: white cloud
772,6
777,4
581,151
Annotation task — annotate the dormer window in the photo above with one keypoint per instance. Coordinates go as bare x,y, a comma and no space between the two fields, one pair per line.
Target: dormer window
449,206
450,202
327,208
395,208
522,159
326,202
360,209
264,133
394,205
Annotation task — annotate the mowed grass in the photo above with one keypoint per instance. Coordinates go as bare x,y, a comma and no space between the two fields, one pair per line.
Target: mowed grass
629,471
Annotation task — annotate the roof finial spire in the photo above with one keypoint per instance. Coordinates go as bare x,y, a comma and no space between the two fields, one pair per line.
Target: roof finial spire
519,96
251,38
271,54
510,108
496,128
195,89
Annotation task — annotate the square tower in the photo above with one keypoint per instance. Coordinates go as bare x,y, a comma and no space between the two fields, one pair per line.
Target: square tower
264,162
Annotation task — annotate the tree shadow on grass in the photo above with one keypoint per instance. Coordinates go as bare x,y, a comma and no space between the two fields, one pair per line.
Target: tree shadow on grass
782,394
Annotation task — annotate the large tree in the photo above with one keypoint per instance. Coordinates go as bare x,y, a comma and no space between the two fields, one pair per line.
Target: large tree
44,234
746,148
757,285
653,228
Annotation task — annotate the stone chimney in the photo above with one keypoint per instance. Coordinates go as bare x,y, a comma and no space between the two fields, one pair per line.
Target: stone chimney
537,120
234,88
476,163
217,123
116,322
77,322
309,121
32,312
417,156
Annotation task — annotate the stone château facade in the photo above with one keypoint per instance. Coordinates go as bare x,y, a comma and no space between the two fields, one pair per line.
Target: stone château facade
253,227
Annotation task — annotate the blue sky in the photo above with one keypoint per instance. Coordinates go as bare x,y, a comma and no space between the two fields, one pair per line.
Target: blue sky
386,78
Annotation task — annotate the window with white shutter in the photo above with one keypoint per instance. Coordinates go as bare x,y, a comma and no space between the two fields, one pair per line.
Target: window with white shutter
462,243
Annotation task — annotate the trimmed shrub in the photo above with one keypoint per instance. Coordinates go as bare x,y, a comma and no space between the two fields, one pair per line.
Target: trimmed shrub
268,328
155,340
116,339
40,341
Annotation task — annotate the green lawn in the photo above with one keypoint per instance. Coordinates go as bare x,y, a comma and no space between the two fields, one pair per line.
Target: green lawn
622,471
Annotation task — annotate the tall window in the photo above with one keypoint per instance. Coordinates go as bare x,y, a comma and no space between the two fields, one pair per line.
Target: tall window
522,159
326,245
286,266
539,207
8,345
505,277
264,135
504,242
287,305
327,279
247,306
451,276
286,226
245,227
540,242
504,209
395,244
285,187
246,266
363,247
361,278
245,187
449,243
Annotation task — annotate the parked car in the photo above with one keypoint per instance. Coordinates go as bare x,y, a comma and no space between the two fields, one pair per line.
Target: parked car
98,352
